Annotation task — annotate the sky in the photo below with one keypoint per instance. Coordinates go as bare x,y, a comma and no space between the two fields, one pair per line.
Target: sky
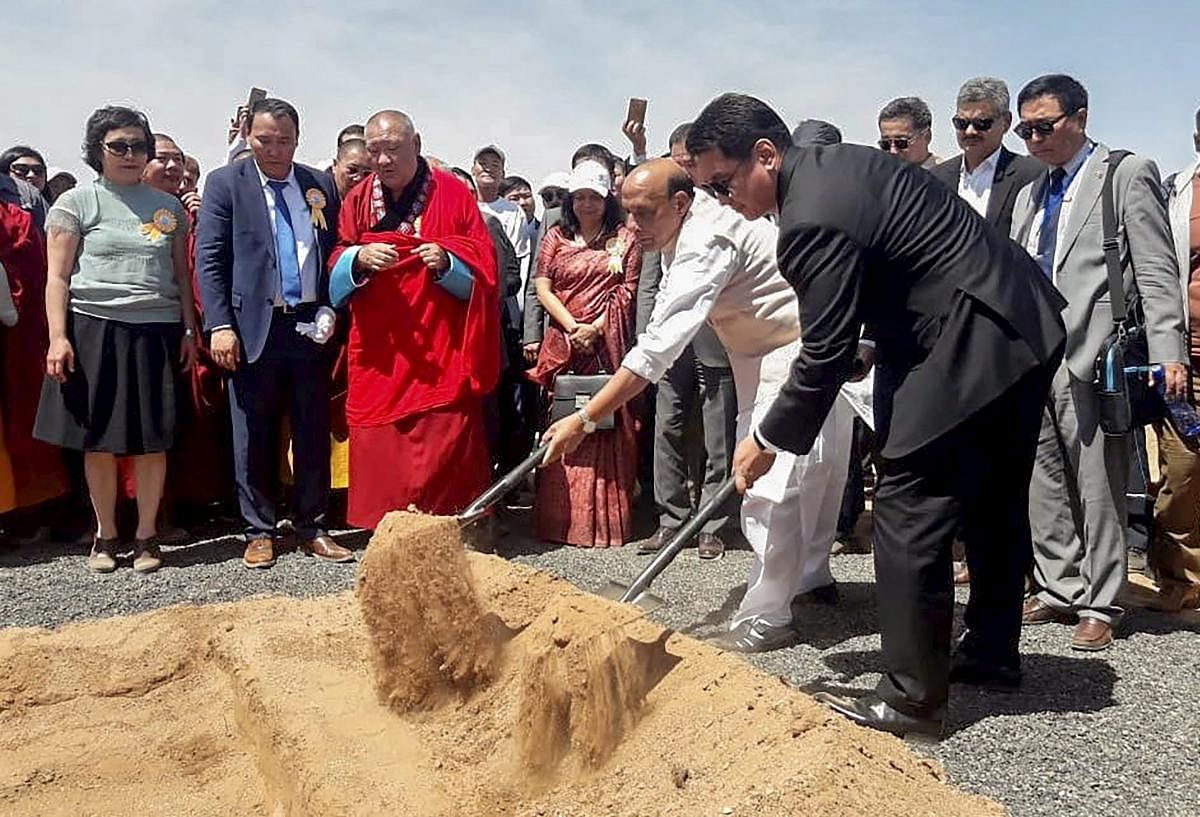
540,78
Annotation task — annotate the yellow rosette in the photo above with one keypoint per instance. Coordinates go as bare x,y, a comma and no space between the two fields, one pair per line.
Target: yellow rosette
616,256
316,205
162,223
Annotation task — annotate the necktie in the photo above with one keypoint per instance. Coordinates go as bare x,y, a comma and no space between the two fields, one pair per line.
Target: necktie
1048,235
286,257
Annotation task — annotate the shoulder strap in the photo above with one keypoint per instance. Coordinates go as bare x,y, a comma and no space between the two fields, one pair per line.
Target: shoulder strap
1112,253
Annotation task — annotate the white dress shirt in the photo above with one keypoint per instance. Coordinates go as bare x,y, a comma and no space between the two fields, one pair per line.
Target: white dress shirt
306,235
975,187
1074,172
721,269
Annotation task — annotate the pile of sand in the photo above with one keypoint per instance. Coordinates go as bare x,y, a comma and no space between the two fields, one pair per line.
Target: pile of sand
558,704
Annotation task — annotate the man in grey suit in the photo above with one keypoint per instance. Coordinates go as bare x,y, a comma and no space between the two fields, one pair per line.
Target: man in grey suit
1077,495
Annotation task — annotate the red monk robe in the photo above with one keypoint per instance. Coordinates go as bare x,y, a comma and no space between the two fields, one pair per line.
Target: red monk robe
420,360
37,470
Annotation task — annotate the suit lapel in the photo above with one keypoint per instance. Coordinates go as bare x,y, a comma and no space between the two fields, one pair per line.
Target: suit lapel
1091,183
252,184
1036,192
1002,186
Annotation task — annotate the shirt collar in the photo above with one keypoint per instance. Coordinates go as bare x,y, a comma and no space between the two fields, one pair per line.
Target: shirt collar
291,179
988,165
1072,167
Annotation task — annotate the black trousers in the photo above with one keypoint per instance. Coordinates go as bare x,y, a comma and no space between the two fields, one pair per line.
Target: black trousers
977,477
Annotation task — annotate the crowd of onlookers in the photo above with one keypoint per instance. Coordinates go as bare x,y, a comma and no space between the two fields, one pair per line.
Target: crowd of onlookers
151,382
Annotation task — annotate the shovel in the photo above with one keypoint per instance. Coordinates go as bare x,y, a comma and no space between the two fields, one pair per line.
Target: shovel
638,592
475,511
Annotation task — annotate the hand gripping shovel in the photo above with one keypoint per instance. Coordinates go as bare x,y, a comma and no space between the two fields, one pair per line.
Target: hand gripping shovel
475,511
638,592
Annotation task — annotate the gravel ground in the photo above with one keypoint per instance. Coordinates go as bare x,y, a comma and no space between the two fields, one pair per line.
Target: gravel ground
1113,735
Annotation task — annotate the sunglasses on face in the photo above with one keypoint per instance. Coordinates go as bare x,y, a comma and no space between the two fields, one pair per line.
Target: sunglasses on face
122,149
982,124
899,143
27,170
1044,127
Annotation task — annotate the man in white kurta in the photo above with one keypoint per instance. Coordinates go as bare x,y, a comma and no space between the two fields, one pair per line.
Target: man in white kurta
721,269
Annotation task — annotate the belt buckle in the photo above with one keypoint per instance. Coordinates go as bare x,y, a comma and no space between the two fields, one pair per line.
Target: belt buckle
289,310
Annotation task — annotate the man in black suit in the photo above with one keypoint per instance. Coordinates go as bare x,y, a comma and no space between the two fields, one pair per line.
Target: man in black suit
967,333
987,175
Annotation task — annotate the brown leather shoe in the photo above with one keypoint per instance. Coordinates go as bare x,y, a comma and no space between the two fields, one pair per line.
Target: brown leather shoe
710,546
260,553
961,574
1037,611
1091,635
323,547
655,542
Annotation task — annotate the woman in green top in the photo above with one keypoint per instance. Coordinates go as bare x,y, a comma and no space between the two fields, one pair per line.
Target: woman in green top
118,291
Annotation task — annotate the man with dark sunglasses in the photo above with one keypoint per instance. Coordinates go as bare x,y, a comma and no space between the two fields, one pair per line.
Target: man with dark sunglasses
986,175
906,129
1077,496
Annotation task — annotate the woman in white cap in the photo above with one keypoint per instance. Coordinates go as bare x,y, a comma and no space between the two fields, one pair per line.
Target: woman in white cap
586,279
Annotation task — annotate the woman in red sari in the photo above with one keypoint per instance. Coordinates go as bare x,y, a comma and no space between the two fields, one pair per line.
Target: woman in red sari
586,279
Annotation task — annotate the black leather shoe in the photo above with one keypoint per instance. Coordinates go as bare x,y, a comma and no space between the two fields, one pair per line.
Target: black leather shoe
826,594
656,542
965,669
756,636
875,713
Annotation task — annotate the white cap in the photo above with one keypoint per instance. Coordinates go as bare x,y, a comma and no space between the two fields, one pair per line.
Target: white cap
558,178
590,175
490,149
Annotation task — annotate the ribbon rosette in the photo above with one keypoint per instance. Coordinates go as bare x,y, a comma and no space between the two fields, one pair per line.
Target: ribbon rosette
163,222
316,203
616,255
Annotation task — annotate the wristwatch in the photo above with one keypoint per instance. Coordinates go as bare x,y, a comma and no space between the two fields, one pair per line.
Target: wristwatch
589,425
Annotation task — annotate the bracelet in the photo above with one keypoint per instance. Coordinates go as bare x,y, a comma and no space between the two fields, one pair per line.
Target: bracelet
189,333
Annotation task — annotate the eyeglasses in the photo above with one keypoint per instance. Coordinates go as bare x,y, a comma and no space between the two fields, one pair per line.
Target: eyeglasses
27,170
1044,127
122,149
982,125
899,143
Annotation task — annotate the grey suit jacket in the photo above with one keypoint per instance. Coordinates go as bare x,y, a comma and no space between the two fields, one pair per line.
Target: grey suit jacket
1147,258
1013,172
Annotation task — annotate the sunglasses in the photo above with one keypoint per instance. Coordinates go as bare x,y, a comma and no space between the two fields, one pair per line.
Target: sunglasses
122,149
982,125
27,170
1045,127
899,143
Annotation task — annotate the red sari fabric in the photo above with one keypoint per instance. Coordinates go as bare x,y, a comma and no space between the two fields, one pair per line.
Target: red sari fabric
419,361
584,499
38,471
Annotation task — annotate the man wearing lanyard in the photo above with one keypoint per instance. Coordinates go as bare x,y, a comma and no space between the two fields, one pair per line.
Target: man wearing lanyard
1077,495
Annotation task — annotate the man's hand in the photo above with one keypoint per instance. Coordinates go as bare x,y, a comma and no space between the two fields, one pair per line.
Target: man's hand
531,352
635,132
433,257
191,201
749,463
60,360
564,437
372,258
240,124
1175,381
864,361
225,349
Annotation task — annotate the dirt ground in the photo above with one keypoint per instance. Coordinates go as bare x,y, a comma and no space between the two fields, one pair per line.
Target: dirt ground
528,697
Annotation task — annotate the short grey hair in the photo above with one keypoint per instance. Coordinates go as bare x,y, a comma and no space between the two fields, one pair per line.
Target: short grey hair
985,89
908,107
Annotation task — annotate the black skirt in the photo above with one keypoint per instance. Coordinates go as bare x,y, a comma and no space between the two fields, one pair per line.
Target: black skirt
121,398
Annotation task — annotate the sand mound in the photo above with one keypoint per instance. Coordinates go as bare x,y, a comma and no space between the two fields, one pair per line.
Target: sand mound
268,707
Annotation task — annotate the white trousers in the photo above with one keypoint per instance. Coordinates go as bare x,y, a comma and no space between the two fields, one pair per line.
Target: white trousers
790,515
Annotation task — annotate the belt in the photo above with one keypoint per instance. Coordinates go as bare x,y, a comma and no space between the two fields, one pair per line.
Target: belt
298,309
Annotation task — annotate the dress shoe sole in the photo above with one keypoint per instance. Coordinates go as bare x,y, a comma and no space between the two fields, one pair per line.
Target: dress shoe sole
257,565
340,560
1092,646
711,556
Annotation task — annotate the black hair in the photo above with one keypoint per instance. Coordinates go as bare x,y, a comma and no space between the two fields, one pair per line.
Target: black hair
349,145
611,220
167,138
466,178
1071,95
733,123
18,152
912,108
595,152
680,134
680,183
816,132
276,108
355,130
512,183
111,118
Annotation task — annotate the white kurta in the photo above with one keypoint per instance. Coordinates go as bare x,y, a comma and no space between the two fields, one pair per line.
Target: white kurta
722,269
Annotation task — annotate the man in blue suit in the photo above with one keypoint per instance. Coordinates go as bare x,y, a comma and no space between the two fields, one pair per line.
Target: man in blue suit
265,229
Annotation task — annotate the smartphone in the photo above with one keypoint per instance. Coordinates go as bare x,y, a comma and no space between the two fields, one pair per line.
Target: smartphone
637,111
256,95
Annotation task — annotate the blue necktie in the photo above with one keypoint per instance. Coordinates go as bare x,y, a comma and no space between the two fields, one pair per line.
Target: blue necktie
1048,234
287,259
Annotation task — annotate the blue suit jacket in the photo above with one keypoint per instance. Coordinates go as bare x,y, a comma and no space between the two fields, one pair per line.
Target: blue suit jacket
235,250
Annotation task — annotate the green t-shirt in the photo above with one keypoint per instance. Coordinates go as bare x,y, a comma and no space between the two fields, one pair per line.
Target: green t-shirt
123,269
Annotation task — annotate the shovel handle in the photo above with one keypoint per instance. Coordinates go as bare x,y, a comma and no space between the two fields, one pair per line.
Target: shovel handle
685,535
507,483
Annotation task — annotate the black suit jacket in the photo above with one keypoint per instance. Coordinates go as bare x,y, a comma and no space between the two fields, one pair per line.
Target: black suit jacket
1013,172
959,312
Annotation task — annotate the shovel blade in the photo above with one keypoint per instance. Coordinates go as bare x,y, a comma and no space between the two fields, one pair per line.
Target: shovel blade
645,600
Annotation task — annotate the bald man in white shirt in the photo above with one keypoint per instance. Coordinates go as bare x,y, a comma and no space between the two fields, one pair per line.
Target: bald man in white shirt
721,269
